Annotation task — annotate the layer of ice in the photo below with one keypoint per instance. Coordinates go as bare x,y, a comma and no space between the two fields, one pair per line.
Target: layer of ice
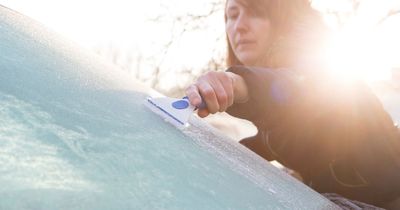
74,134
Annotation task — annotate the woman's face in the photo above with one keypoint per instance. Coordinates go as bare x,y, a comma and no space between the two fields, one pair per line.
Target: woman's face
249,34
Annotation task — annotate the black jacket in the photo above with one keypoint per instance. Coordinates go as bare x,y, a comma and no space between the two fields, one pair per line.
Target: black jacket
336,134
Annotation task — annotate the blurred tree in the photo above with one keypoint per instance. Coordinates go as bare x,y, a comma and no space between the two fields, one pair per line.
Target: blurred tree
196,23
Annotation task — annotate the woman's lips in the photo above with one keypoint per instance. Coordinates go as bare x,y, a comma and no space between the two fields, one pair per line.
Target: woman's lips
245,42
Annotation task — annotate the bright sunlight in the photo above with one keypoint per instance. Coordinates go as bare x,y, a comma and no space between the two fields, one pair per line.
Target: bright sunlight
366,45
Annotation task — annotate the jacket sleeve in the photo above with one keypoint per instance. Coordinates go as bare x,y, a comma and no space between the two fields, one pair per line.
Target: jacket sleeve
312,122
271,91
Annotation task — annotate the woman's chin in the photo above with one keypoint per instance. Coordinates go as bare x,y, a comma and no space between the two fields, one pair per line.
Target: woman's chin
247,60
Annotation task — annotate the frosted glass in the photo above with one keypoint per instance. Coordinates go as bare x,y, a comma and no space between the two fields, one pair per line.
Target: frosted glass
74,134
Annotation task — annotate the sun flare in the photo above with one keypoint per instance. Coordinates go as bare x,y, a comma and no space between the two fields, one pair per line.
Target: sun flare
363,48
356,54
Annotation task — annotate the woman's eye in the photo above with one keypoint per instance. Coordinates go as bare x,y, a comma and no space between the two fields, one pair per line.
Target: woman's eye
232,15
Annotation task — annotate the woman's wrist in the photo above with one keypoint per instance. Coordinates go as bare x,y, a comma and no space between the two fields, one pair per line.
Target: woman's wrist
241,94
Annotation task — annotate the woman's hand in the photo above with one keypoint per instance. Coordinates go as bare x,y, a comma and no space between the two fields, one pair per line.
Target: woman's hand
219,90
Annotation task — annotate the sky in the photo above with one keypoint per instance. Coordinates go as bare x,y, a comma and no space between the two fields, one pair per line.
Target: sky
129,26
90,21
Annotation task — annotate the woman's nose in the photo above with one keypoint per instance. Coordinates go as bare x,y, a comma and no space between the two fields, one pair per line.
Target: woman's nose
241,23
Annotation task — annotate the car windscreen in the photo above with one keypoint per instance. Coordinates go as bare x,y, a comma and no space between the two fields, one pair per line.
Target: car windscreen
74,134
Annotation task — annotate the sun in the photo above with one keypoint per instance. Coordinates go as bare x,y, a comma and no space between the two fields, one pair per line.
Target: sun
364,48
359,54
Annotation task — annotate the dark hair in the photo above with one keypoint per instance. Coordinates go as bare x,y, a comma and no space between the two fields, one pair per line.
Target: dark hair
298,32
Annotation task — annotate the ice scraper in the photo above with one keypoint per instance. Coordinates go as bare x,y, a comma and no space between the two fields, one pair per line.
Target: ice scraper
177,111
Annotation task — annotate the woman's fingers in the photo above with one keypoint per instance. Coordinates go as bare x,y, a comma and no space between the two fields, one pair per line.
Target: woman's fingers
209,95
216,89
192,92
220,94
203,113
227,84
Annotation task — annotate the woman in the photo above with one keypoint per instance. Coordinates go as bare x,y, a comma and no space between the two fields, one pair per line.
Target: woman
335,134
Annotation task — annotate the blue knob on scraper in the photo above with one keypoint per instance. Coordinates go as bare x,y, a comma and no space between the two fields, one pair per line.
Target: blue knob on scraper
174,110
202,105
180,104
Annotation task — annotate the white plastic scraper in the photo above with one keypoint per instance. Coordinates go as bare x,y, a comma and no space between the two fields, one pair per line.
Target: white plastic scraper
177,111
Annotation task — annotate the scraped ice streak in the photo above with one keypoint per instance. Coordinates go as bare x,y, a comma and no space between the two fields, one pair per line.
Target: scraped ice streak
282,187
74,134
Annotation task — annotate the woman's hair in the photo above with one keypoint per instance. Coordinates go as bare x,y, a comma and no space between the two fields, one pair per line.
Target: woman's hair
298,32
